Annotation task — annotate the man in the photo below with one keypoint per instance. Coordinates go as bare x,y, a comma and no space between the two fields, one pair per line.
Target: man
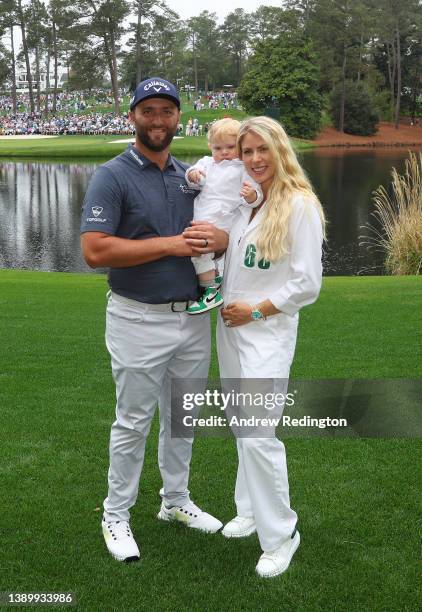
135,213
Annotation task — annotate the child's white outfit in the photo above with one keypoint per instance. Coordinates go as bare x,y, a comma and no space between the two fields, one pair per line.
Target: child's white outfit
219,197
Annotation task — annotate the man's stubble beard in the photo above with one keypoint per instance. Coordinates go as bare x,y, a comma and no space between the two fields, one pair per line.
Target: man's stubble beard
142,134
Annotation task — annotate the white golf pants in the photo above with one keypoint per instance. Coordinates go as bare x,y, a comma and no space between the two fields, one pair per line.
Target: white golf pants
261,350
149,347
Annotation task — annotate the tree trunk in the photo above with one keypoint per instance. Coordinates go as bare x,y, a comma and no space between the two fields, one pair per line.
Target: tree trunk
47,81
195,64
37,78
113,73
398,93
138,43
14,102
393,77
360,56
390,74
56,62
343,91
26,55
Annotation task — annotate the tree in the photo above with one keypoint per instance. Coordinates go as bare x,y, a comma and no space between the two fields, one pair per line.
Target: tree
36,32
272,21
339,26
235,36
164,54
412,77
8,21
170,46
204,37
148,12
103,20
89,69
398,27
22,16
284,72
359,116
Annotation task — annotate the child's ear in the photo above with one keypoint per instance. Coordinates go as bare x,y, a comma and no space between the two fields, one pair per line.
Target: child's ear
209,145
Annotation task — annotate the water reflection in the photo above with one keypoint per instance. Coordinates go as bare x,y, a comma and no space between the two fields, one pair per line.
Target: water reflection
40,205
345,181
39,215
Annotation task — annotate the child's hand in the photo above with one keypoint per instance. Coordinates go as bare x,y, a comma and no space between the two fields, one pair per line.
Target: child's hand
248,192
196,176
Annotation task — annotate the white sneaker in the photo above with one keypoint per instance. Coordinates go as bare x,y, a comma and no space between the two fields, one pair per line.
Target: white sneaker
239,527
120,541
192,516
277,561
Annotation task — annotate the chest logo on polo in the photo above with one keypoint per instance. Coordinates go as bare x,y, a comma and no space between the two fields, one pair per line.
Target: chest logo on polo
250,259
186,189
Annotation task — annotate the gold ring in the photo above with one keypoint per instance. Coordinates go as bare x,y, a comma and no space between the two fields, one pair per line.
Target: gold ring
228,323
206,243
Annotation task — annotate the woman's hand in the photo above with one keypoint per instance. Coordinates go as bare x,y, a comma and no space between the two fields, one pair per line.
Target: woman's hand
204,237
236,313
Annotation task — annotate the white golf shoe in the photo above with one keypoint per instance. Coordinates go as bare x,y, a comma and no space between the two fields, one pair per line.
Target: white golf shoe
239,527
120,541
190,515
277,561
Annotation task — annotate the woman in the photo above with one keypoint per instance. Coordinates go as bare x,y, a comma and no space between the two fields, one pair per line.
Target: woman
272,269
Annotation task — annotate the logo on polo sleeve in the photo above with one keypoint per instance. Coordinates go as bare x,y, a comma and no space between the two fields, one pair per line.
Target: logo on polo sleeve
96,211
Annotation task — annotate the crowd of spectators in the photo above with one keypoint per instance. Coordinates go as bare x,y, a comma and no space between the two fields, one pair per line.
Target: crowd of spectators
76,113
214,100
94,124
72,101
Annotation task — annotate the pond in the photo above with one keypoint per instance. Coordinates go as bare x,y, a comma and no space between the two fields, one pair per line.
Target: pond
40,206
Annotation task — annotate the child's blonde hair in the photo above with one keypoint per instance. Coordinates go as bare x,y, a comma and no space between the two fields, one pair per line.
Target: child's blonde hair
223,127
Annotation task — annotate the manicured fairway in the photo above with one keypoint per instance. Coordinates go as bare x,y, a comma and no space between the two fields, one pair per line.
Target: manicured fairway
358,501
97,147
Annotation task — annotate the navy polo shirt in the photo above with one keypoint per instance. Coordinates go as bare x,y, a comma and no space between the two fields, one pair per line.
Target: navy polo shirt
131,197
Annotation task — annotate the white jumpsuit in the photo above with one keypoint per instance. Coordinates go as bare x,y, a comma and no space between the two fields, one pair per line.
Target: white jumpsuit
265,349
219,197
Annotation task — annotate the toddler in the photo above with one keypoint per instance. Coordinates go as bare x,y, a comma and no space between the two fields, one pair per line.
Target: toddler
224,186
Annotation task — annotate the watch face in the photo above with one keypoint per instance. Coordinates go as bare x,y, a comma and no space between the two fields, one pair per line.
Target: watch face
257,314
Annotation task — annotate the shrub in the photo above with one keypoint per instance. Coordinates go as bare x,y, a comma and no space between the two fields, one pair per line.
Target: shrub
283,77
400,217
360,117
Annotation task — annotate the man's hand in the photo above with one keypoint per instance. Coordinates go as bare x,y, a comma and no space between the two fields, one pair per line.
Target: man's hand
103,250
248,192
204,237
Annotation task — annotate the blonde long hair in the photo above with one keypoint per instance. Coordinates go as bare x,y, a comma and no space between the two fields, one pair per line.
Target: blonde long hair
289,180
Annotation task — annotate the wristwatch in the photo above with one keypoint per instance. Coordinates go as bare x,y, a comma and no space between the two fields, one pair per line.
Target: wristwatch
256,314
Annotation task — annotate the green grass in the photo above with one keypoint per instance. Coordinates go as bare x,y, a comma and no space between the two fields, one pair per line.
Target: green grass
105,147
358,500
88,147
95,147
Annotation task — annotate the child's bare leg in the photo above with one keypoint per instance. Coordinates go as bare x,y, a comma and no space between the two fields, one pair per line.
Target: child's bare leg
207,279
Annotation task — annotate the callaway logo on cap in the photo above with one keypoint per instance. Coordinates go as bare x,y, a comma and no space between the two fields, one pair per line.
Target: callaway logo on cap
155,87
